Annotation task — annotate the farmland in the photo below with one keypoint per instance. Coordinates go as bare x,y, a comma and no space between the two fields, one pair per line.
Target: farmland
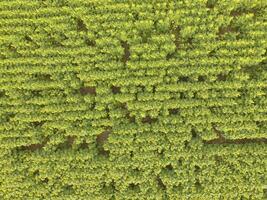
131,99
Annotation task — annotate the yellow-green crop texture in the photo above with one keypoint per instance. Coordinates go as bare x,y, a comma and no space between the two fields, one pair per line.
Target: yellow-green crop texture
133,99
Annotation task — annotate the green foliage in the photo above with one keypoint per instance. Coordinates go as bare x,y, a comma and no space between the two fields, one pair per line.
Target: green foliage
143,99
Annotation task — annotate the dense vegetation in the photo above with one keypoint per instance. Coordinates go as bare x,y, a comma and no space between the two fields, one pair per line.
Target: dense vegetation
133,99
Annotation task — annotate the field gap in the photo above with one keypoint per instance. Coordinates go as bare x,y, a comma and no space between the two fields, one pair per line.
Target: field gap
88,90
33,147
211,4
89,42
174,111
222,140
81,26
148,120
126,50
115,90
101,139
160,183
